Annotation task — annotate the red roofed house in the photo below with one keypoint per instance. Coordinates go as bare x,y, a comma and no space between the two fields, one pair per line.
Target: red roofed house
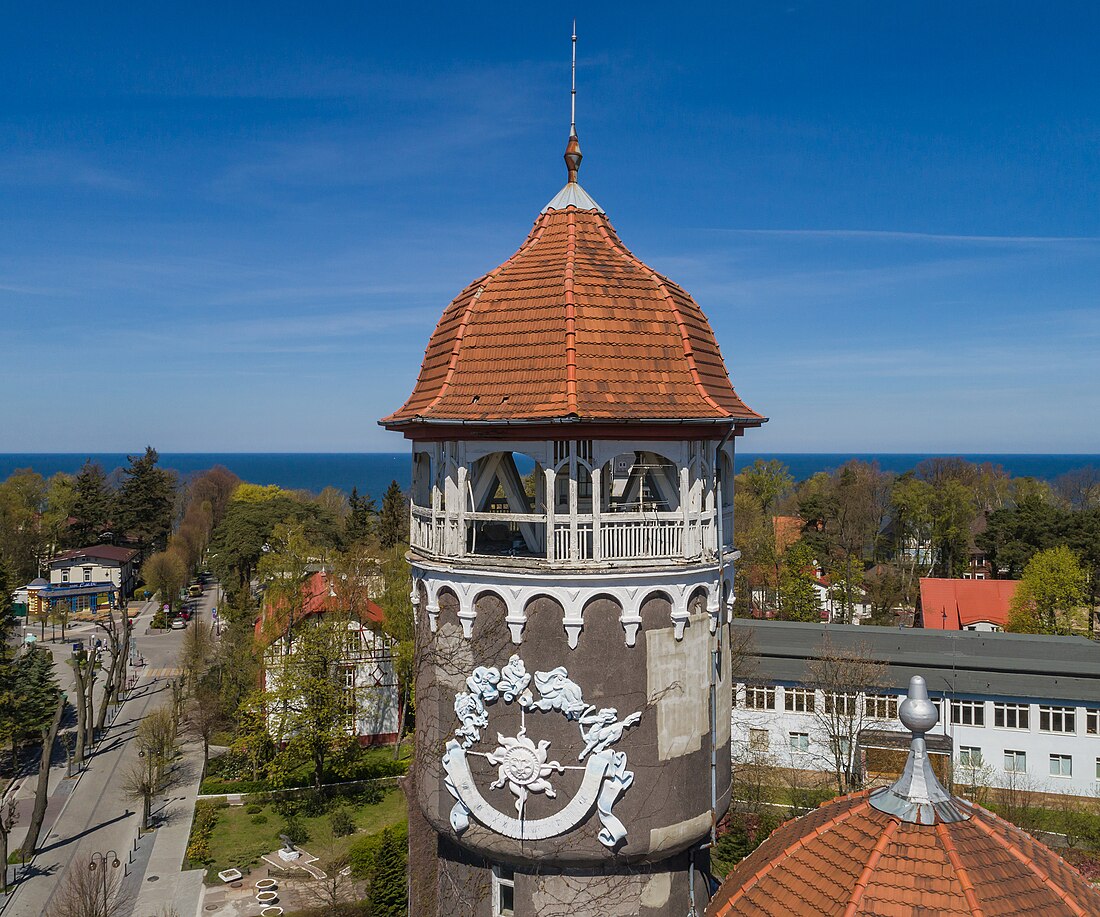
965,604
367,671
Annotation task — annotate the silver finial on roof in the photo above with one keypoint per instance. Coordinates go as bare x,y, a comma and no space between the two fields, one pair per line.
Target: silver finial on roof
573,91
917,795
573,148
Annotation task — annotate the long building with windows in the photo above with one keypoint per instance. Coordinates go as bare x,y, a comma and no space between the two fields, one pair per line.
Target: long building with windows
1016,710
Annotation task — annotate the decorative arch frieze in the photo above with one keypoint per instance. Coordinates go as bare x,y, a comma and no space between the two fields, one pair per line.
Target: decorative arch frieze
573,593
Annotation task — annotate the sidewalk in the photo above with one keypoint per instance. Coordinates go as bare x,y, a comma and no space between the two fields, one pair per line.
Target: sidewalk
173,888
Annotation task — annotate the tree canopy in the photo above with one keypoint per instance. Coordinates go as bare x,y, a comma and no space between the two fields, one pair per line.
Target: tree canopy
145,501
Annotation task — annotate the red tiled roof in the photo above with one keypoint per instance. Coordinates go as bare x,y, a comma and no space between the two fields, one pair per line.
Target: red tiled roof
966,601
848,858
317,598
98,552
788,529
572,326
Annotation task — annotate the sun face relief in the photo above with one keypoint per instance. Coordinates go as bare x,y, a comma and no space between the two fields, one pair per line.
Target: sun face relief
524,767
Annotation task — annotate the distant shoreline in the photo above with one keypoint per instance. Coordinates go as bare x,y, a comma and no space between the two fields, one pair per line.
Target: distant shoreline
371,472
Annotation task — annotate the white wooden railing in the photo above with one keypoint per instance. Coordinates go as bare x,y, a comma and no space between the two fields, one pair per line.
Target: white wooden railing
611,537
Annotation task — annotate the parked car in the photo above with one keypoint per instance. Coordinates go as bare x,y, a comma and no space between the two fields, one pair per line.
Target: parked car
178,624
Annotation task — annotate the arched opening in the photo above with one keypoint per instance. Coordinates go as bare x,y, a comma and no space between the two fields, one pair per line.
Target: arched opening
422,479
507,497
639,482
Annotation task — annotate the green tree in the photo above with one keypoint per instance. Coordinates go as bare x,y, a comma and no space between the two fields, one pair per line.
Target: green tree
911,500
145,502
359,525
1051,591
393,522
22,541
166,573
798,598
388,886
92,505
767,481
952,515
306,697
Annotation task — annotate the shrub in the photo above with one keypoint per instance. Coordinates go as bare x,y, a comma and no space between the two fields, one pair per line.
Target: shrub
371,794
315,804
254,809
206,817
342,823
259,819
295,830
363,852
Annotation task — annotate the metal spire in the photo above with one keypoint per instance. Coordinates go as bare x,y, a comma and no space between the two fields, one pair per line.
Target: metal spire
573,148
917,795
573,92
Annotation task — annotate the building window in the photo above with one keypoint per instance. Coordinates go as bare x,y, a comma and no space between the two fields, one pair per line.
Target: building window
799,741
882,706
1061,766
504,891
798,700
758,739
970,756
1098,768
1058,719
967,713
1011,716
87,574
64,576
1015,762
840,704
758,697
1092,722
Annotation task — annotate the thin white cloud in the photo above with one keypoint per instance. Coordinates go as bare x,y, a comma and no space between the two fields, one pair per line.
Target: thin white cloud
905,236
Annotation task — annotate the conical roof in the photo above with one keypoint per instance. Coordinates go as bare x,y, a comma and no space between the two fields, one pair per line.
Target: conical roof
906,850
572,327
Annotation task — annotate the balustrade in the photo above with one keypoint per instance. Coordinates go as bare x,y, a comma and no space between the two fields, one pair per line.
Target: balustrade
613,537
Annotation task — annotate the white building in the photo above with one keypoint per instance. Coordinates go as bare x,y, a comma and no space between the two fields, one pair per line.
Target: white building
1021,710
100,563
372,710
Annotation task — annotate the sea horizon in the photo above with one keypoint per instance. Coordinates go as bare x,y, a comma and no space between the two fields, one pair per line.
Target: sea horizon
372,472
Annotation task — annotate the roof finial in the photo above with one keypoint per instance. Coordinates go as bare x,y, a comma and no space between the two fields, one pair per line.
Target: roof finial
573,91
917,795
573,148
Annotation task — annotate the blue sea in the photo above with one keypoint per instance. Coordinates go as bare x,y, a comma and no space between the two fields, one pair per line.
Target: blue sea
372,472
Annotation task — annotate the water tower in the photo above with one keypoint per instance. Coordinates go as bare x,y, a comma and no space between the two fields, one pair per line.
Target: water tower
572,430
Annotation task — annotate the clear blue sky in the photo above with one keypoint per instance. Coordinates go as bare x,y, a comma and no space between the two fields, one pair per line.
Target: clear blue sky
233,227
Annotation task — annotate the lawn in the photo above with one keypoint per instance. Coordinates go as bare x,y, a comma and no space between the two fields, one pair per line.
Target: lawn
240,838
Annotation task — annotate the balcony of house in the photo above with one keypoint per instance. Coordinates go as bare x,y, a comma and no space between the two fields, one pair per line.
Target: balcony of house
636,509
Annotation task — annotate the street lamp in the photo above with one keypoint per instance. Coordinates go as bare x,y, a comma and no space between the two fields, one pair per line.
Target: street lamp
101,861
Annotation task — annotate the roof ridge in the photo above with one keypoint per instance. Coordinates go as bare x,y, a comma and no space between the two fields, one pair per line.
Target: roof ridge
869,867
531,239
685,338
570,314
1027,861
960,870
788,852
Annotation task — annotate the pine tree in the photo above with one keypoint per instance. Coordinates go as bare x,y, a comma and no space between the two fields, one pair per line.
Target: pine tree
146,501
91,507
388,889
393,522
360,521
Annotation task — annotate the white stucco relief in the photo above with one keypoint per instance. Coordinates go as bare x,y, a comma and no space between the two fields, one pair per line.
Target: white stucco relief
517,590
524,765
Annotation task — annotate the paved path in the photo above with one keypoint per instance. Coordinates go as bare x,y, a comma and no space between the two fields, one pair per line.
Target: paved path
92,813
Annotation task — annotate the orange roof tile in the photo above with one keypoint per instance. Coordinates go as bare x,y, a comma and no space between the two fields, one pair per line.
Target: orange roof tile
317,598
848,858
965,601
572,327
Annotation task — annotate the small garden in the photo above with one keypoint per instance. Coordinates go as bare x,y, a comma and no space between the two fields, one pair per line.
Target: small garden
329,825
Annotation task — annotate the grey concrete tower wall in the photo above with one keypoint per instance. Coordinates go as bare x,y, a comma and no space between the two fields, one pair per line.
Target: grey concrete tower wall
666,809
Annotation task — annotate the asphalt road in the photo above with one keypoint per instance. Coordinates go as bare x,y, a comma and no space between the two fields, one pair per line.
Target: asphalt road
95,815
